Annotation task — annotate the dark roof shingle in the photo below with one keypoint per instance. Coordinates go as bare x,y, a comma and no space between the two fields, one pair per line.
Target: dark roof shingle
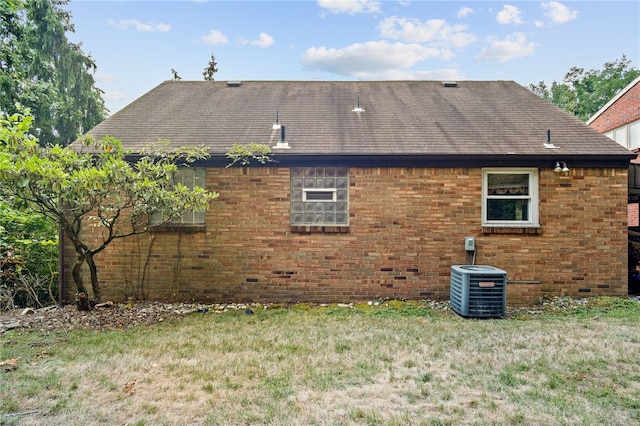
399,118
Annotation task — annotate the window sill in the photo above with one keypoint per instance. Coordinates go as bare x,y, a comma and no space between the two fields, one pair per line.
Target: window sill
533,230
185,229
309,229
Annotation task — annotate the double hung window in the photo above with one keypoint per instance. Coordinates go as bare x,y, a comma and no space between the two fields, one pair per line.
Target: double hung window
510,197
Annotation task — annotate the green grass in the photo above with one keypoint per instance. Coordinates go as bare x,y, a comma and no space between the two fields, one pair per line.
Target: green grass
395,363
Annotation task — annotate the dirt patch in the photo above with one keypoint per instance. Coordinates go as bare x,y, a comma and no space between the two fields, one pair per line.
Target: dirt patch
122,316
111,316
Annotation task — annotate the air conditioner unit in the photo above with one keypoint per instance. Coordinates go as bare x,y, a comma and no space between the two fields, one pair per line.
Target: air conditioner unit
478,291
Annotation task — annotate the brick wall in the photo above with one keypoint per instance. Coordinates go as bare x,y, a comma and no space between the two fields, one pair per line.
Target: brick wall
407,228
633,215
625,110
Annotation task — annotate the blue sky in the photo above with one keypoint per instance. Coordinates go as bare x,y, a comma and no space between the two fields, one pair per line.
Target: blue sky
136,44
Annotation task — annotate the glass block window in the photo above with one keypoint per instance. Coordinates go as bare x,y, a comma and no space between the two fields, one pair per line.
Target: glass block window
189,177
510,197
320,196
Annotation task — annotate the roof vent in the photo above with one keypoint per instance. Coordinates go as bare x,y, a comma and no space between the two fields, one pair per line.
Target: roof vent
234,83
276,125
449,83
357,108
548,144
282,143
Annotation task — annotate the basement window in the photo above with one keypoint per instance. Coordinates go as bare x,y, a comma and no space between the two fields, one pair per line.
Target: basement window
319,196
510,197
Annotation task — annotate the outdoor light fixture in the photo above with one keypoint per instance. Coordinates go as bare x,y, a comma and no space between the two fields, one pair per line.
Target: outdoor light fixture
561,166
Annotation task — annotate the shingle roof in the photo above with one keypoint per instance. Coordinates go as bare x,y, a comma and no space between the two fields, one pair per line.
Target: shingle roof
399,118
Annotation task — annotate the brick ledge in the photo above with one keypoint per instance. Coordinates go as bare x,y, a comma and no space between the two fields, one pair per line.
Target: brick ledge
511,230
302,229
187,229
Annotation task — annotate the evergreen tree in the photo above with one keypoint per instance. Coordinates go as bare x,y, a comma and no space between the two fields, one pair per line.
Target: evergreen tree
211,69
42,70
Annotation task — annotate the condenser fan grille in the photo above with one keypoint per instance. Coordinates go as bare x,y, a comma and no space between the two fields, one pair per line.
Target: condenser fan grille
478,291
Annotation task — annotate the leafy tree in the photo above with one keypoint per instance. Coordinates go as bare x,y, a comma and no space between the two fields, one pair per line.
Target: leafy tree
28,258
583,93
42,70
96,186
243,154
211,69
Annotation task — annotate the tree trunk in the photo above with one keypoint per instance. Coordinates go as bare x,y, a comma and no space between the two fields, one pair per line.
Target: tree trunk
82,298
86,256
77,276
95,284
83,302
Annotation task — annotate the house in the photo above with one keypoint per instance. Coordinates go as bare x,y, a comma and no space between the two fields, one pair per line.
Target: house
620,120
376,187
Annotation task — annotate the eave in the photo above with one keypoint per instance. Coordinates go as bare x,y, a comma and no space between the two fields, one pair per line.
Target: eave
438,160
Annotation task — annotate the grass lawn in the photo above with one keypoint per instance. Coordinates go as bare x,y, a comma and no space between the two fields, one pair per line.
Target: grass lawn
399,363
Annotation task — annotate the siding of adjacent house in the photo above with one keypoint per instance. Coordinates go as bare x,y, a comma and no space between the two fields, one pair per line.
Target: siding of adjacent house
620,118
407,227
633,213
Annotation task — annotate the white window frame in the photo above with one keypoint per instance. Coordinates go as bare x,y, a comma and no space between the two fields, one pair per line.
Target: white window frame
634,135
333,191
532,197
627,135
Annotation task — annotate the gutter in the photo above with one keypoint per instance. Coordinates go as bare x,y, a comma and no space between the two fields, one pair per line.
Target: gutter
288,159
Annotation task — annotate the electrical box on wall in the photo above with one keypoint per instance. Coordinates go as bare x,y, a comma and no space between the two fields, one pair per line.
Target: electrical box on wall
469,244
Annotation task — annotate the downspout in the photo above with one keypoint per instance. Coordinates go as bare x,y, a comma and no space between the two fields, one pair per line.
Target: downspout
60,266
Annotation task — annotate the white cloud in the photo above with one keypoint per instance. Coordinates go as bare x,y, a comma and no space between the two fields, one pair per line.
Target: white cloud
510,15
511,47
350,7
113,96
464,12
123,24
374,57
103,77
215,37
435,31
558,13
437,74
264,40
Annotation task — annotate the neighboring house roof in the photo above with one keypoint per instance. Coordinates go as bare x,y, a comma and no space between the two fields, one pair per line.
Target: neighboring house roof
415,118
613,100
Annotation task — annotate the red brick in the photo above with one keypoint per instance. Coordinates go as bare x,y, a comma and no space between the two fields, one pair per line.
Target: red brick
402,220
